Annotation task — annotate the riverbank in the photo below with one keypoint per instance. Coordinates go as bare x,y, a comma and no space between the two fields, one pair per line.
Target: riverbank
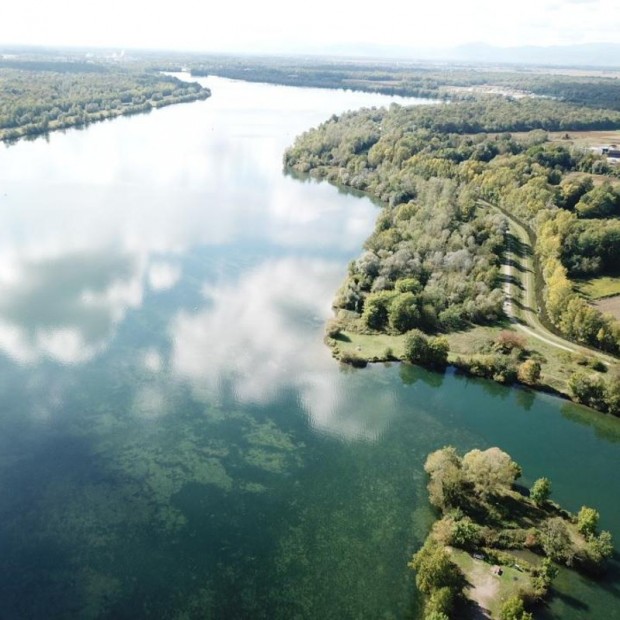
475,351
36,101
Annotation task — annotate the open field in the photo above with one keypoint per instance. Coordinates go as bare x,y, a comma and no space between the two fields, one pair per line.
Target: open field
598,288
610,305
486,590
586,138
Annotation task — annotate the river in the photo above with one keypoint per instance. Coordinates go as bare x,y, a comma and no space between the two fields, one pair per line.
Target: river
175,439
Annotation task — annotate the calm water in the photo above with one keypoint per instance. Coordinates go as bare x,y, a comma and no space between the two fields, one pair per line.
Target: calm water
175,440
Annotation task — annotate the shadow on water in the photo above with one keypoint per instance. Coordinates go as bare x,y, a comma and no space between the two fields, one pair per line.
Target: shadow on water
344,190
525,397
605,426
411,374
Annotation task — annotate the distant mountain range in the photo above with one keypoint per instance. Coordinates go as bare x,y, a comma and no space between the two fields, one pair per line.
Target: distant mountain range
584,55
588,54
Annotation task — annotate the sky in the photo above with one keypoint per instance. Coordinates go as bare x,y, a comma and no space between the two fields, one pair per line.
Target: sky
320,25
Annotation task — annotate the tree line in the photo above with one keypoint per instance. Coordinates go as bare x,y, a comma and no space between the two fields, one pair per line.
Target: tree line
37,97
413,80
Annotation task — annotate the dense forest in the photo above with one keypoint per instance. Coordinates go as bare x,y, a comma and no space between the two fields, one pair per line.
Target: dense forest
37,96
436,81
432,261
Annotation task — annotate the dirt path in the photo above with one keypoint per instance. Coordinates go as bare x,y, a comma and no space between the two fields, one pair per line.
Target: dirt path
521,306
483,589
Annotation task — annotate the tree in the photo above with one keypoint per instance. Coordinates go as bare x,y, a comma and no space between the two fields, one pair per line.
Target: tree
507,340
438,349
612,395
465,533
599,549
542,576
556,541
416,346
513,609
431,351
587,390
403,312
439,604
490,471
446,486
587,521
434,569
540,491
376,306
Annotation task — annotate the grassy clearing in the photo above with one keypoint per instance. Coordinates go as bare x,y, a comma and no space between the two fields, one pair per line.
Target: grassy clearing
557,365
610,305
485,589
374,347
599,288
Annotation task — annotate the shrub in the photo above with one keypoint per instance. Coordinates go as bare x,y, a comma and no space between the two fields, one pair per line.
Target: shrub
352,359
540,491
529,372
587,390
506,341
425,351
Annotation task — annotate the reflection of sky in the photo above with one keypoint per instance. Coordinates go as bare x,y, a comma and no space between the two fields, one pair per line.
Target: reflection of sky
263,334
99,222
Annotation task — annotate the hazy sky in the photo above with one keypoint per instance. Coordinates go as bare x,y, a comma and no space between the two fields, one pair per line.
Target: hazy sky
279,25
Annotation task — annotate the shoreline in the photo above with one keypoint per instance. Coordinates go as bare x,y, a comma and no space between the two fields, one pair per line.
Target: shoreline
32,132
362,357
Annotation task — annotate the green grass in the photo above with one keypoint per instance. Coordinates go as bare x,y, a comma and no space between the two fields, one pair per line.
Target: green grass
371,347
477,572
598,288
557,365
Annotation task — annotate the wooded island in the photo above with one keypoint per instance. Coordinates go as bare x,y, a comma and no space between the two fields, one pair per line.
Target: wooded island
495,547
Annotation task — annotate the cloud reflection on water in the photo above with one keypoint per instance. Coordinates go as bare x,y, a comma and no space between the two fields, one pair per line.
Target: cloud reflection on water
262,335
65,307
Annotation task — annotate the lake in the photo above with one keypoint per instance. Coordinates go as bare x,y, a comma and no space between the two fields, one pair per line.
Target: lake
175,439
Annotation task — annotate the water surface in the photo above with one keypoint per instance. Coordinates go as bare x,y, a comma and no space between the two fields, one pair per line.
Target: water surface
175,440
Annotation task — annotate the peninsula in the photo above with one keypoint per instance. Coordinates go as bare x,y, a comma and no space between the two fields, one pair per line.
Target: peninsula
499,225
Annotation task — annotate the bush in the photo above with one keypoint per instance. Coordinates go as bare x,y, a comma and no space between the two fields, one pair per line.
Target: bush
465,534
496,367
506,341
540,491
587,390
333,329
432,351
529,372
352,359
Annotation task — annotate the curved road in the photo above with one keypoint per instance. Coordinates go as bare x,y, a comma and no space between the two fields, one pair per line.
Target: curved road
521,305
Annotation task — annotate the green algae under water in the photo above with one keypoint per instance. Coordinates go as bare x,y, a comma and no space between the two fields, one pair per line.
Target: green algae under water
175,440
